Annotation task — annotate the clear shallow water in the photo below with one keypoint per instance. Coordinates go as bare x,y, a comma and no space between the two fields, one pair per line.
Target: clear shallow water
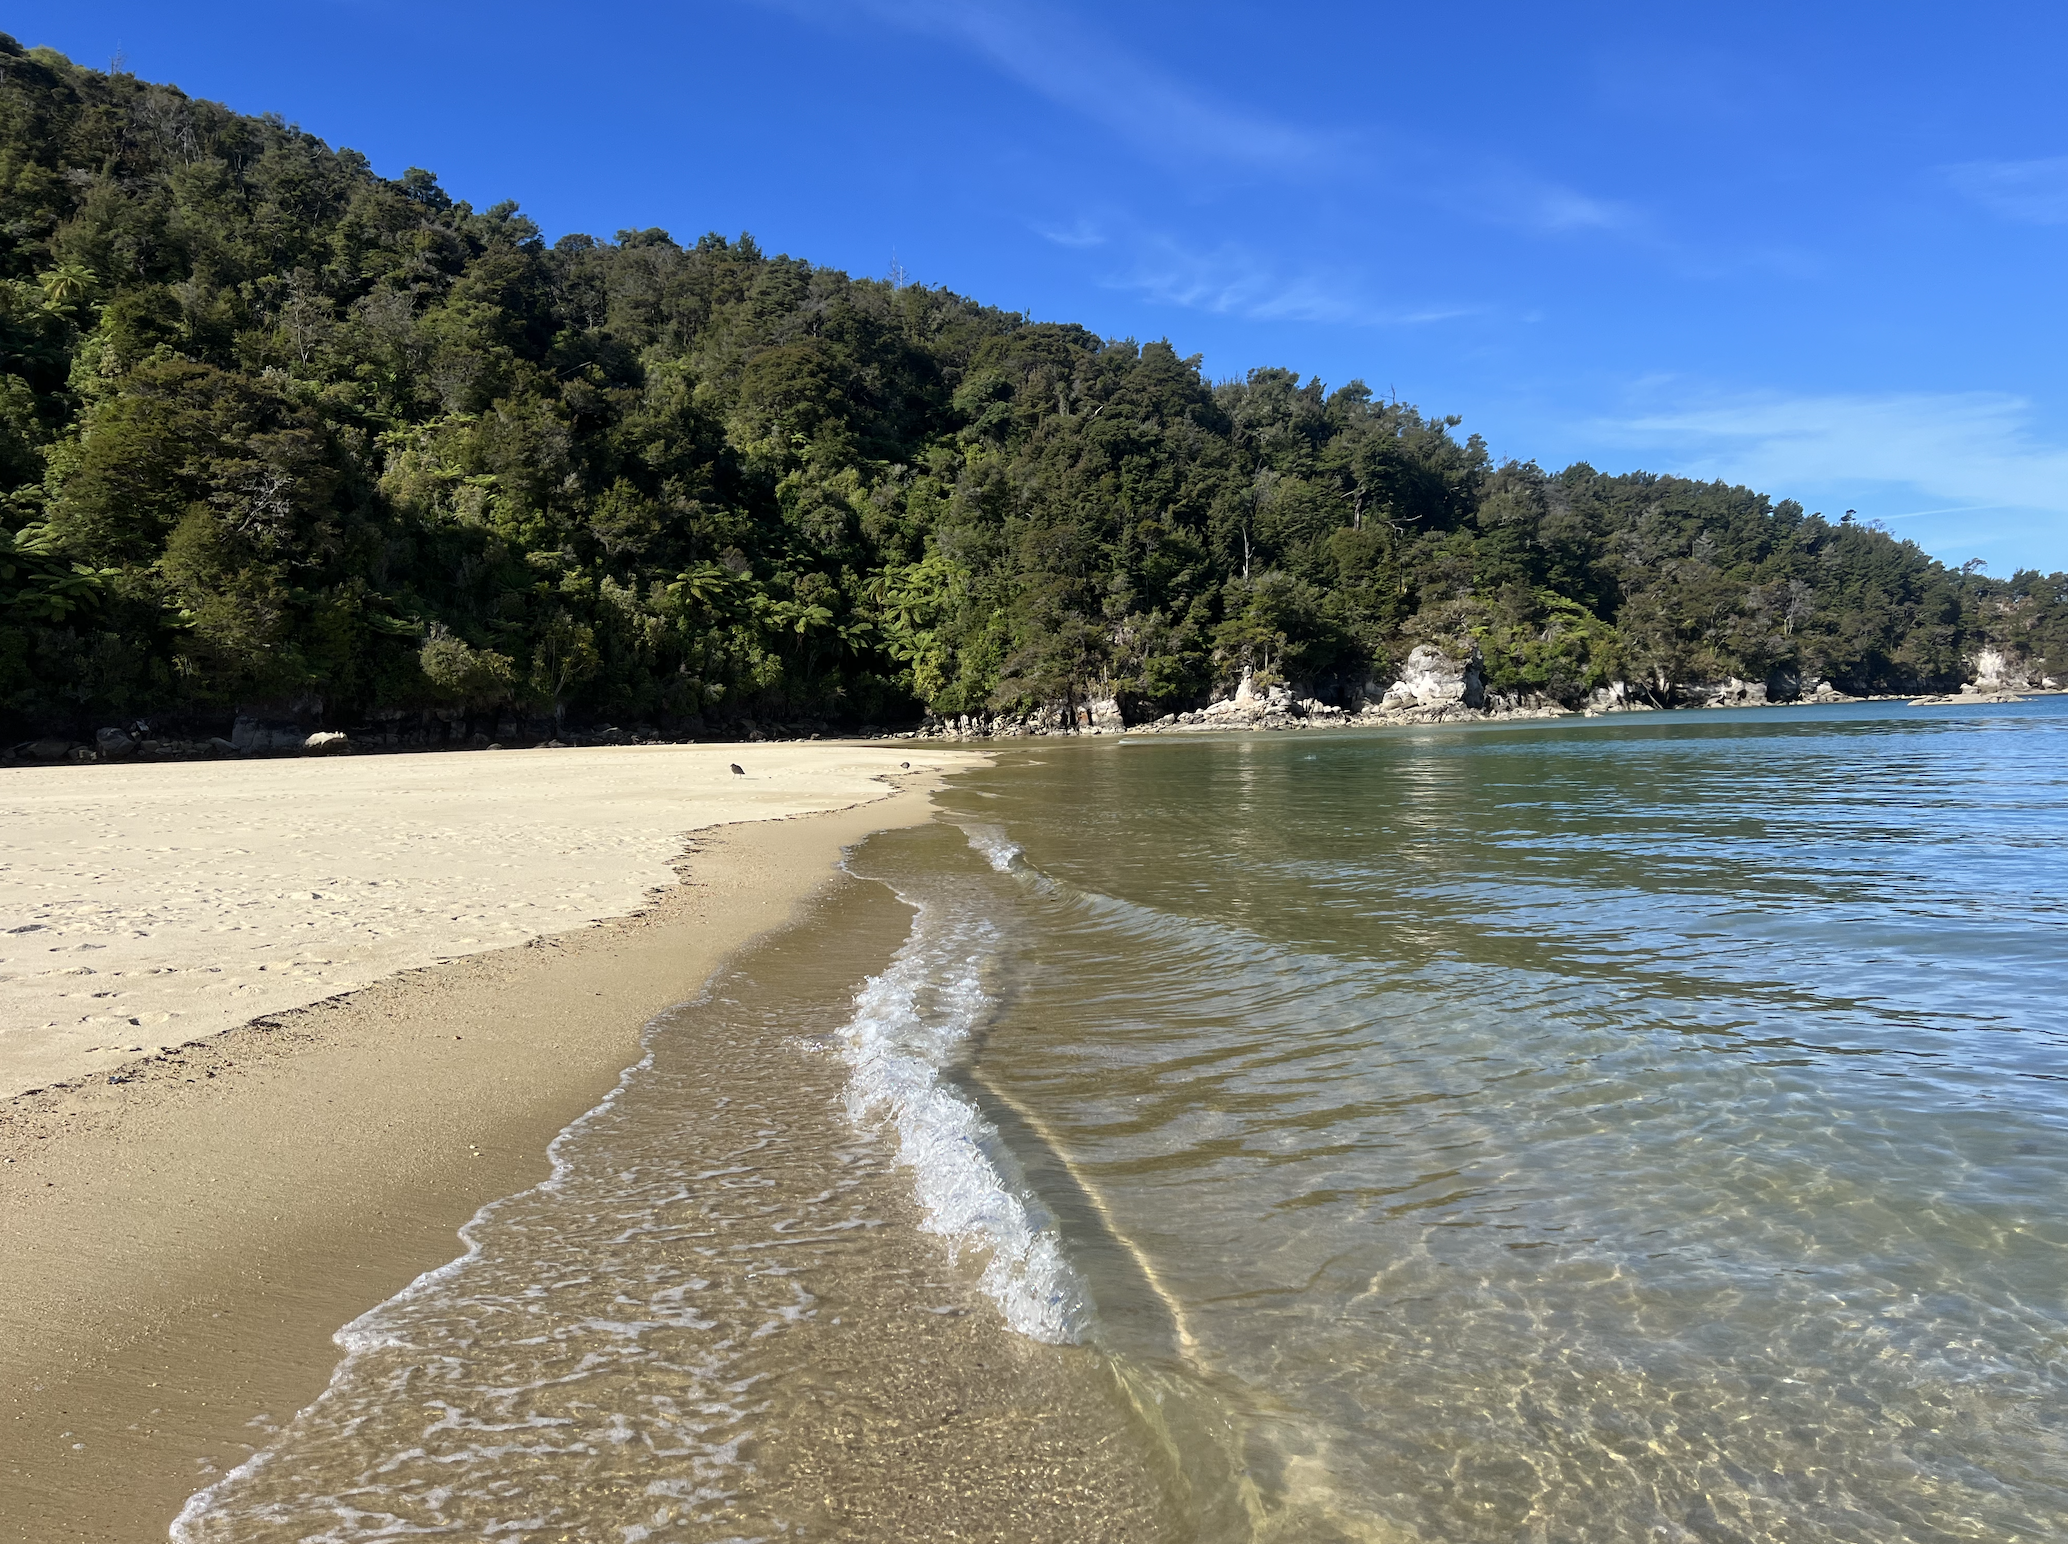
719,1319
1648,1129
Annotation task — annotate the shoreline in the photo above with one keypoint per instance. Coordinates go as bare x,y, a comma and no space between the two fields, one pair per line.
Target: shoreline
182,1240
1441,716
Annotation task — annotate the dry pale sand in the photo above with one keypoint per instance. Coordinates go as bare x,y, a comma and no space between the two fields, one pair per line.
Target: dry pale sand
146,906
178,1241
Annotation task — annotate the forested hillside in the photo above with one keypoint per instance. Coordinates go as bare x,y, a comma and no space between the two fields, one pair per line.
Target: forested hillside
273,427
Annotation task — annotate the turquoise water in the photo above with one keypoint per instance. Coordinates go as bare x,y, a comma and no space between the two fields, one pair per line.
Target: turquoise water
1651,1128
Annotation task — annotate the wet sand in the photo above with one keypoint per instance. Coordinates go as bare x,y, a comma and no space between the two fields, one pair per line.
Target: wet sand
724,1320
179,1240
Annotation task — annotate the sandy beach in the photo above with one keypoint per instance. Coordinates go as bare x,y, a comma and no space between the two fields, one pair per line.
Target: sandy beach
145,906
184,1230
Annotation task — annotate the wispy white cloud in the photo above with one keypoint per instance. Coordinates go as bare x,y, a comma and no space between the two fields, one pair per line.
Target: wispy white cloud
1231,280
1646,78
2032,191
1079,236
1950,509
1514,197
1088,72
1047,47
1556,210
1977,450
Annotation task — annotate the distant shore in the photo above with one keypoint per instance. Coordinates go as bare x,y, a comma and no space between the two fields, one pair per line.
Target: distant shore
1274,711
1284,713
184,1230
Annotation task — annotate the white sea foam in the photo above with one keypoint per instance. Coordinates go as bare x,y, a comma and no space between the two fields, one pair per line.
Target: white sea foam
385,1326
911,1025
632,1282
1001,850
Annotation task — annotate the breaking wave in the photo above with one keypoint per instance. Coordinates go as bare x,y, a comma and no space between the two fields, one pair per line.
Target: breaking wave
911,1027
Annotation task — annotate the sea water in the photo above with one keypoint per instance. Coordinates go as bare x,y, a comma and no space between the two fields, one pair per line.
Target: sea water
1648,1128
720,1318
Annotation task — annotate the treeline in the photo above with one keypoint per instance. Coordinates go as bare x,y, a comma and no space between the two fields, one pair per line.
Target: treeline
274,427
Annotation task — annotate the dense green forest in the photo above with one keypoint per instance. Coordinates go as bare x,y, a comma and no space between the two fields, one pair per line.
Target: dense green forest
273,427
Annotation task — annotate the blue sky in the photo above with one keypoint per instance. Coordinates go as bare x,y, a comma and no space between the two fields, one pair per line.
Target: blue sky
1814,248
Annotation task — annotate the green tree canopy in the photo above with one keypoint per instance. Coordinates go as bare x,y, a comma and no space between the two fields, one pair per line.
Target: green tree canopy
272,424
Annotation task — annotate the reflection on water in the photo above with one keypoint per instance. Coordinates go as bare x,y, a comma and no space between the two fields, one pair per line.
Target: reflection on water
1640,1130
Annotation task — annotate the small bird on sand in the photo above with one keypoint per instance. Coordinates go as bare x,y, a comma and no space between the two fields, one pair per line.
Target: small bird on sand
738,770
906,765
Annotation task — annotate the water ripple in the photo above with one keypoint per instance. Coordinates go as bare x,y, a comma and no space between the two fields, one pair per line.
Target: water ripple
1651,1130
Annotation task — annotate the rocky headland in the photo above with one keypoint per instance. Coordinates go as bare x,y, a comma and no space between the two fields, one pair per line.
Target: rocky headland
1439,686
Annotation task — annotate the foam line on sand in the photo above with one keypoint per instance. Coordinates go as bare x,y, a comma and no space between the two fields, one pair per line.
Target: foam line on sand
179,1241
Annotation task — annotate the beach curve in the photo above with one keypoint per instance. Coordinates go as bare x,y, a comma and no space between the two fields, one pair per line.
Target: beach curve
184,1231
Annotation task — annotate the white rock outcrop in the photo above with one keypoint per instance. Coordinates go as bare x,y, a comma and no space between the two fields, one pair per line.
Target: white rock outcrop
1617,697
1998,671
1432,678
1729,693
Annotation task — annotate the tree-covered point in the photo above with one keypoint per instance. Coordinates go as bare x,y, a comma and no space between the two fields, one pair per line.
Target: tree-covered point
273,426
